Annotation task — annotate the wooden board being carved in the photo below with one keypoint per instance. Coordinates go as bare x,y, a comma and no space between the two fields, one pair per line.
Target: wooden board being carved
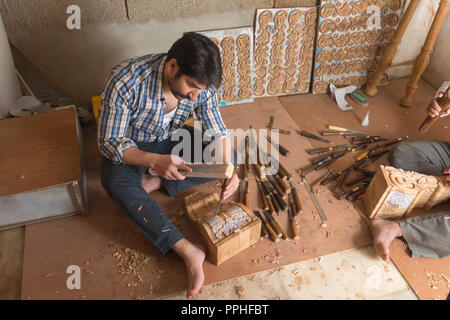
284,40
393,193
232,230
349,41
236,50
205,170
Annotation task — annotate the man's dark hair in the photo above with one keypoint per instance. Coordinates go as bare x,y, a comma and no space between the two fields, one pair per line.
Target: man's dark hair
197,57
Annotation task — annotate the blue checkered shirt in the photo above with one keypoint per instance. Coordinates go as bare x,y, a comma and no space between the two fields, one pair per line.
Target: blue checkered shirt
133,105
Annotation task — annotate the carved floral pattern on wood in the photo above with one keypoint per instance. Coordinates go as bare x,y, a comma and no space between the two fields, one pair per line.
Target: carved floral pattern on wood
405,190
236,50
284,46
347,49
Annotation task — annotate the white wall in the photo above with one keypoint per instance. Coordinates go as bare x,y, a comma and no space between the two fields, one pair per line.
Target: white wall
438,70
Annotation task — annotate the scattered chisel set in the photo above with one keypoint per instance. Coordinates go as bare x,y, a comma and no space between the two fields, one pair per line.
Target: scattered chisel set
358,140
278,191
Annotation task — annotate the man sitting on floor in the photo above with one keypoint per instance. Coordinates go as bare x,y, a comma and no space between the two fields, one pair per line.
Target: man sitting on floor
429,235
144,102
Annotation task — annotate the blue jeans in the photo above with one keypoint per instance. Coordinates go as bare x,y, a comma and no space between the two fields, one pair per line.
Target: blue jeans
123,183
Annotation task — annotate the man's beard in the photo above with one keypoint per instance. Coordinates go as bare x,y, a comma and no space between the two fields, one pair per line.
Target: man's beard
175,92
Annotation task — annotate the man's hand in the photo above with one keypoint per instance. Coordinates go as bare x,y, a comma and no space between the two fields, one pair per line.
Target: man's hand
434,108
167,166
232,185
446,176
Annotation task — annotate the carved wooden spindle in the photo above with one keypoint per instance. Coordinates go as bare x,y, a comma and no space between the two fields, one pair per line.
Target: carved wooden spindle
423,59
391,49
444,103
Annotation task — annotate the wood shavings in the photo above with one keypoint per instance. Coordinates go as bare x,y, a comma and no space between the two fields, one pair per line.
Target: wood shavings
435,281
298,281
251,277
360,296
239,290
130,263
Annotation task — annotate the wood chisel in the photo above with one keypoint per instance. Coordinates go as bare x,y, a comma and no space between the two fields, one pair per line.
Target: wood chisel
247,154
275,225
281,149
334,157
294,225
321,150
286,188
313,197
225,181
345,130
318,182
244,172
272,234
270,122
298,204
282,204
312,136
263,195
246,197
292,203
283,172
269,197
287,132
264,232
275,184
241,199
362,186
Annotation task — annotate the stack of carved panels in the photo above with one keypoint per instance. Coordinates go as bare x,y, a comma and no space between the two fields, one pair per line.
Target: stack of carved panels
284,47
236,50
350,40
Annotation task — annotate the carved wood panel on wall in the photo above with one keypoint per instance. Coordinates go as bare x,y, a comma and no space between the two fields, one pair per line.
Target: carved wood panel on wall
236,50
351,36
284,47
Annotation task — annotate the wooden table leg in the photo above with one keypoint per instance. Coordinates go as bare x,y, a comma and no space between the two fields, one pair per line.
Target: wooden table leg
423,59
391,49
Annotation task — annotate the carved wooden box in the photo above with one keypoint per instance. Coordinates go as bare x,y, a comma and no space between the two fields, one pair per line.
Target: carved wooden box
232,230
393,193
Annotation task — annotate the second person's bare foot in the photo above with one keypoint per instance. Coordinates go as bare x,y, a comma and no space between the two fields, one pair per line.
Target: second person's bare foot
383,232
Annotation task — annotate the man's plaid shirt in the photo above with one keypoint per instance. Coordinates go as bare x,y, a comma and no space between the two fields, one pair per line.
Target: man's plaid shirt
133,105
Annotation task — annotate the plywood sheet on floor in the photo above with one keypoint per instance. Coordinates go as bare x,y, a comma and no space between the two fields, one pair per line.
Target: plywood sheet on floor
93,242
429,278
389,120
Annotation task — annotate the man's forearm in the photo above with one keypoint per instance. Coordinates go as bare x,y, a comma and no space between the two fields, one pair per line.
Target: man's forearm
135,157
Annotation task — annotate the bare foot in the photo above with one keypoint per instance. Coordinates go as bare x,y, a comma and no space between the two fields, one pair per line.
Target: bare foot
193,256
383,232
151,183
